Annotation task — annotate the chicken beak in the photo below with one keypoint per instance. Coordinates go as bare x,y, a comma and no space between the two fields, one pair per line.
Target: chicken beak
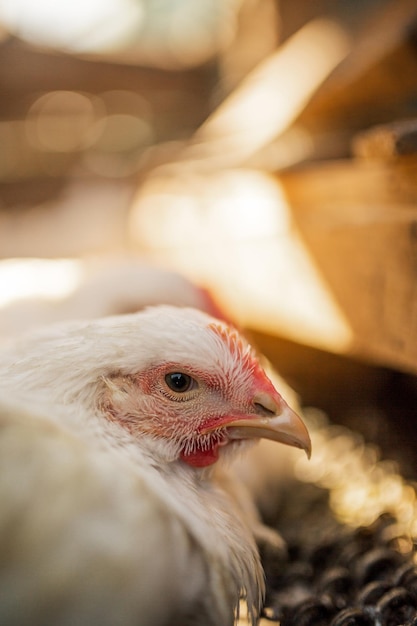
275,420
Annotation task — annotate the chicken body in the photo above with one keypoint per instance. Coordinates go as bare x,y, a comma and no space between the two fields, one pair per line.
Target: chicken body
108,438
91,539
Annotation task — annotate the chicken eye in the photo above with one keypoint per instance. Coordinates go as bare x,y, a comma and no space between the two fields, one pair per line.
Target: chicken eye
179,382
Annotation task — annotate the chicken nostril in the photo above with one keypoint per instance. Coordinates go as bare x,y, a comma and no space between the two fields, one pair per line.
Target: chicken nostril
265,405
263,410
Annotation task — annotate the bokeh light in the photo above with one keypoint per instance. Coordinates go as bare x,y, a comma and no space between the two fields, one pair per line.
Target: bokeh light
63,121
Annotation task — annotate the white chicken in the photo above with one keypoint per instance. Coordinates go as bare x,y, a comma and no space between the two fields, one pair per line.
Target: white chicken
108,439
92,288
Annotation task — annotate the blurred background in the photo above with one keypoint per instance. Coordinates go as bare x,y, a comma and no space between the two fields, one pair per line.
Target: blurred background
262,150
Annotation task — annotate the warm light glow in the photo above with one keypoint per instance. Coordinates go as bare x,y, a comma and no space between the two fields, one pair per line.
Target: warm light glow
63,121
232,205
29,278
233,231
361,487
271,97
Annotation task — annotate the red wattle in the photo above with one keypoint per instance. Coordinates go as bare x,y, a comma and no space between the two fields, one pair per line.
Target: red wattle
201,458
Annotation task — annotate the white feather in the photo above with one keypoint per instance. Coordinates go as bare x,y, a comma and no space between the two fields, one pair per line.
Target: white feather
94,526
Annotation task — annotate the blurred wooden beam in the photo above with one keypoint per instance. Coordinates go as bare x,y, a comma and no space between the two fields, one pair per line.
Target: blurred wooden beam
359,222
377,80
268,100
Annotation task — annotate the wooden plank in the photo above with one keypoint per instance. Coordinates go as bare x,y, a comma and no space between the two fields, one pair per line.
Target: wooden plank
387,141
359,222
376,82
269,99
357,185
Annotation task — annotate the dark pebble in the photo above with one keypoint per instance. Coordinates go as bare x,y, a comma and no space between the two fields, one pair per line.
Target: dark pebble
377,564
311,612
396,607
353,617
336,587
373,592
324,555
349,554
336,580
406,576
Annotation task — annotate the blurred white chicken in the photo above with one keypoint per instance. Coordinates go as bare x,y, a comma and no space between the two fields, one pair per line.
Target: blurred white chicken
88,289
108,440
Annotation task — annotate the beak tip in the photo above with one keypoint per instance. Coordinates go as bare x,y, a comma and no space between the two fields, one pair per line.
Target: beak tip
303,443
307,447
